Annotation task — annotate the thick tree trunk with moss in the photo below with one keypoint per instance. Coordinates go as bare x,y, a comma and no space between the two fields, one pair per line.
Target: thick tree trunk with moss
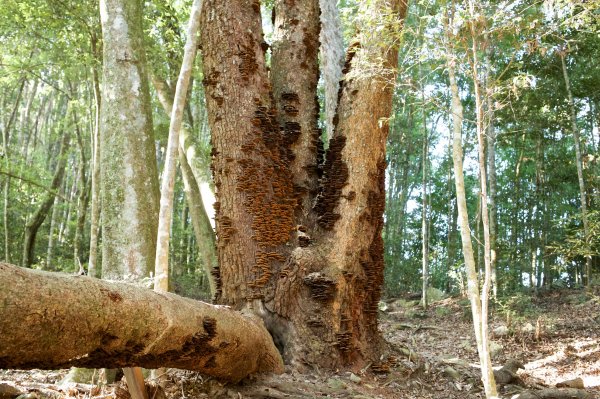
87,322
128,166
314,273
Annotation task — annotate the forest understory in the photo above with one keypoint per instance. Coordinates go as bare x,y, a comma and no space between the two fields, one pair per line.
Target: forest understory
554,334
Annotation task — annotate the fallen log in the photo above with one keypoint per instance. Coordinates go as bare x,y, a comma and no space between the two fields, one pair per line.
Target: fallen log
52,321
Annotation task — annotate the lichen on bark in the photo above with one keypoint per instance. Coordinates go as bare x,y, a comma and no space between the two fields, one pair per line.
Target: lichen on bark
128,165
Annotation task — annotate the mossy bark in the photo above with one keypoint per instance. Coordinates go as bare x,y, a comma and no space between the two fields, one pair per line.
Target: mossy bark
129,178
53,320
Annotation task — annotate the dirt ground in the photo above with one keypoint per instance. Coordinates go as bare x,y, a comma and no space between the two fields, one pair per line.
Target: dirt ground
554,334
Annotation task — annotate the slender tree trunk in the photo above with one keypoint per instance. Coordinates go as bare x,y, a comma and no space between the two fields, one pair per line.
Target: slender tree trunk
71,189
486,364
183,239
579,162
83,197
6,156
32,137
541,212
203,231
332,59
51,235
25,122
95,194
517,200
452,217
477,302
491,174
406,173
161,279
424,214
33,225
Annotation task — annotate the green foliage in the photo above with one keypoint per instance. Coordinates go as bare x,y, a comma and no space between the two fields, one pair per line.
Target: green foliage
517,306
443,311
575,245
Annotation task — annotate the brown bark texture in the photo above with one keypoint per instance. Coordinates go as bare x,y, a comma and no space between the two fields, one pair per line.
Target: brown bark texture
299,241
53,321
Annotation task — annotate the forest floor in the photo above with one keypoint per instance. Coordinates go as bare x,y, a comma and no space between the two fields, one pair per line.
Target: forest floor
554,334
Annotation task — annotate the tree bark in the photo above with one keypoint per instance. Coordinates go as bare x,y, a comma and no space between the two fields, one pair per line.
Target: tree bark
128,162
52,320
295,48
318,290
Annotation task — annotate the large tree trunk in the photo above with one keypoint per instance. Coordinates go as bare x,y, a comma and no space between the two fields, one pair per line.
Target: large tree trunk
86,322
128,163
315,275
